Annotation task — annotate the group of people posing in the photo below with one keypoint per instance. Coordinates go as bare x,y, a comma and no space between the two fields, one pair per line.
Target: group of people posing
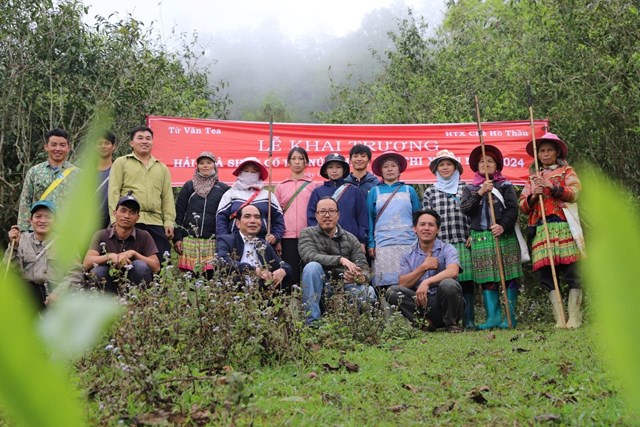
366,233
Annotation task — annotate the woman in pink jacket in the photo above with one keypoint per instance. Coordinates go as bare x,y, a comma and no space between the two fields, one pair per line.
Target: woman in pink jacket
293,195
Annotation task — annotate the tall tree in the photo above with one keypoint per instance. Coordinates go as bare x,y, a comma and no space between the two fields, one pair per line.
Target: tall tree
55,69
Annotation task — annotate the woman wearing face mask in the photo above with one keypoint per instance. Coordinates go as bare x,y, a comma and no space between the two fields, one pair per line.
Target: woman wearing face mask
475,205
293,195
559,186
444,197
249,190
196,208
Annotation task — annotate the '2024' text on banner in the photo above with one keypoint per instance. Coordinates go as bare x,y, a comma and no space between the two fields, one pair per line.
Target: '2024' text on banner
178,141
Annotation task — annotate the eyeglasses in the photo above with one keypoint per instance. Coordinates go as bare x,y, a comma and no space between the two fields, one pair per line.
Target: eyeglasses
330,212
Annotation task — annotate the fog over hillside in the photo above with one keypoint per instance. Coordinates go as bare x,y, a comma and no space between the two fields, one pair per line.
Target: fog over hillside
299,72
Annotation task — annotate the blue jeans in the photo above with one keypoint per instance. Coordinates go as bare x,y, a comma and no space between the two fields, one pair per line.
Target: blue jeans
313,289
139,272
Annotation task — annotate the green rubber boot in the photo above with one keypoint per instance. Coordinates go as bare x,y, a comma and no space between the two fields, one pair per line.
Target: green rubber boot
492,308
512,296
469,315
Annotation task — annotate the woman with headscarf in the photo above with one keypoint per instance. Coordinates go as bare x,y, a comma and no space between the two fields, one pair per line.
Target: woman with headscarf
475,204
390,205
293,195
196,208
249,190
559,186
444,197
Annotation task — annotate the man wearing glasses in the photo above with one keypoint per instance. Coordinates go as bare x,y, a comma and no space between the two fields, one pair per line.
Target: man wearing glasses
331,256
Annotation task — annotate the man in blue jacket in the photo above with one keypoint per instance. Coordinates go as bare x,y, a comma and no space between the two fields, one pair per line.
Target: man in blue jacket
360,157
351,200
250,256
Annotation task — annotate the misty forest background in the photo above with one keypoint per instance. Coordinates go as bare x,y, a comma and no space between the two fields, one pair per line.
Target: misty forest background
57,65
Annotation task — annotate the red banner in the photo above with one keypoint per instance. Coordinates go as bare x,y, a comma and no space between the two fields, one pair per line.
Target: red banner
178,141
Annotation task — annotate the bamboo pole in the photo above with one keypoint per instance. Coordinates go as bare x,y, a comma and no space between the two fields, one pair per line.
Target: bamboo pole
492,212
270,174
563,321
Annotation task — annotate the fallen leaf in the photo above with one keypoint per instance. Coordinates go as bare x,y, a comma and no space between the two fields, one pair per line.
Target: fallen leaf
330,368
447,407
332,399
484,388
515,338
153,419
471,353
491,336
552,381
312,374
477,396
539,338
521,350
565,368
411,388
351,367
398,408
315,347
546,417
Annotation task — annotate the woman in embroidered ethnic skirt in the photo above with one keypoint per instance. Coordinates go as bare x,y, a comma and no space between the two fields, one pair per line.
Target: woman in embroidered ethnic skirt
293,195
390,205
196,207
475,205
559,186
444,197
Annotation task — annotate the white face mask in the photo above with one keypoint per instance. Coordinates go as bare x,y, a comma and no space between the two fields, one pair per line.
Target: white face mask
249,178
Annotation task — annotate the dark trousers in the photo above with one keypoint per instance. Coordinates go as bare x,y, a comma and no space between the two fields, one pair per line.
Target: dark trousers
38,295
444,308
159,238
291,256
137,274
567,273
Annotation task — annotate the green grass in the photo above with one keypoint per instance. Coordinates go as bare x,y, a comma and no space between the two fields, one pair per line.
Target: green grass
522,374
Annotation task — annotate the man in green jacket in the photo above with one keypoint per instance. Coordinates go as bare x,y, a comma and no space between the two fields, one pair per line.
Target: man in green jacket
148,180
331,253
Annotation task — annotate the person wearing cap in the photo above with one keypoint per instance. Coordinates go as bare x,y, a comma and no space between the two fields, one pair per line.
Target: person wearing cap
105,147
196,208
475,204
559,186
351,201
123,247
293,194
32,251
359,157
50,180
249,190
150,182
390,205
444,197
249,256
331,255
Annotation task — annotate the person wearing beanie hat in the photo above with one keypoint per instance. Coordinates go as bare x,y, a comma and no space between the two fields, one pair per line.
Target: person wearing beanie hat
475,204
444,197
196,208
32,252
390,204
249,190
351,200
559,186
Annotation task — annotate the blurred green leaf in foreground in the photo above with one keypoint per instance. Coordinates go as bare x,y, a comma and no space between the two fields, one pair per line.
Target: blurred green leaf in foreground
611,275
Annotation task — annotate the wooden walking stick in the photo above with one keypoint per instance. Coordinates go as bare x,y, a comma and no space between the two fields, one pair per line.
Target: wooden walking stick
270,179
6,270
563,321
492,212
